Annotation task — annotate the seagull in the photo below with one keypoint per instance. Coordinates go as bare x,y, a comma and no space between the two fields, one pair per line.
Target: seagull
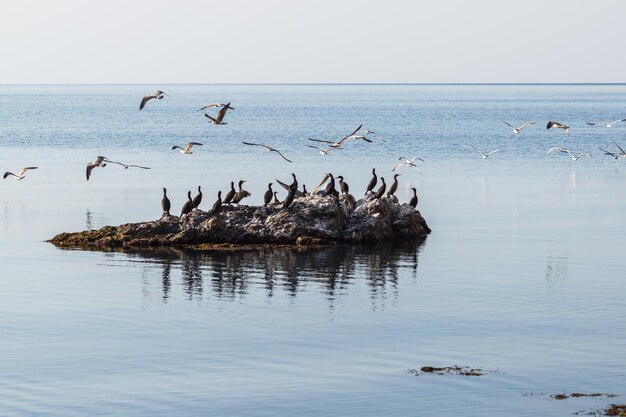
484,155
217,120
607,124
360,137
558,125
409,163
99,162
516,130
369,132
126,166
620,149
158,94
20,174
208,106
557,148
187,148
268,148
323,151
614,155
576,157
338,143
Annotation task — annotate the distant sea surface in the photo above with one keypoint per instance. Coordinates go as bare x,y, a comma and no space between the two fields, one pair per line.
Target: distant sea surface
523,275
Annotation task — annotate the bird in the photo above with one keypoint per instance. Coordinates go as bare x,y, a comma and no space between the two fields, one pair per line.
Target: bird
197,199
343,186
337,144
126,166
558,125
268,148
267,198
557,148
20,174
99,162
158,94
276,200
217,206
304,191
614,155
165,202
607,124
187,206
369,132
208,106
381,190
323,151
620,149
330,188
289,199
484,155
413,200
231,194
394,185
241,194
577,157
218,120
360,137
372,183
516,130
187,148
409,163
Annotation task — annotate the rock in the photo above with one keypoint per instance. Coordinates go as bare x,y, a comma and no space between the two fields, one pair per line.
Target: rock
310,220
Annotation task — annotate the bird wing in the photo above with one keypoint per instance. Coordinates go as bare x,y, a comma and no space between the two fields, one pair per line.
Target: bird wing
6,174
144,101
23,170
494,151
114,162
398,166
508,124
88,171
208,106
326,177
618,121
283,156
322,140
222,112
282,184
212,119
195,143
257,144
620,148
525,125
136,166
478,150
590,124
350,135
606,152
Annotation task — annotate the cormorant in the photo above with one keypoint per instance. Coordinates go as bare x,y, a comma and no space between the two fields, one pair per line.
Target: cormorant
330,188
294,184
217,206
165,202
289,199
197,199
276,200
304,191
241,194
413,201
268,195
187,206
231,194
372,183
394,186
343,186
381,190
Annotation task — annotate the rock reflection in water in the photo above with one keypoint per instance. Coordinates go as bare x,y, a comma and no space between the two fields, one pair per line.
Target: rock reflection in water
231,274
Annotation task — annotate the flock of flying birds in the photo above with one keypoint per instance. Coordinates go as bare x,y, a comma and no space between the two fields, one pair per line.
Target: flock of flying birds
324,147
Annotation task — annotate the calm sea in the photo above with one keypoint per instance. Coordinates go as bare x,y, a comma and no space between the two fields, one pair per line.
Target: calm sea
523,274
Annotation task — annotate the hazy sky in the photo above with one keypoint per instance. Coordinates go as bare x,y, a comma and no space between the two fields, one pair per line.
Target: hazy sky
238,41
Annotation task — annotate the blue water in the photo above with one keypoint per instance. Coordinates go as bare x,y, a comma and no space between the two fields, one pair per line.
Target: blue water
523,273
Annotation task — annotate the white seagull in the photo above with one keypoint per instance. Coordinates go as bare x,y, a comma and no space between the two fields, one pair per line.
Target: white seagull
158,94
516,130
484,155
338,143
576,157
409,163
20,174
324,151
557,148
187,148
607,124
208,106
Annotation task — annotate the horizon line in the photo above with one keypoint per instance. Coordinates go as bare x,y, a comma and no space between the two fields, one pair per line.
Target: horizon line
339,83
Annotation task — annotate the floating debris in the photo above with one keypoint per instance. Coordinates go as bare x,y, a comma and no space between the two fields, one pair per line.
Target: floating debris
450,370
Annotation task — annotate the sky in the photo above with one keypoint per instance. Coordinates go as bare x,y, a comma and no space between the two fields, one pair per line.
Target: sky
321,41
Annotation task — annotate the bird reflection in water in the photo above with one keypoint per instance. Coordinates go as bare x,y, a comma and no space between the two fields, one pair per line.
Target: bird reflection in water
233,274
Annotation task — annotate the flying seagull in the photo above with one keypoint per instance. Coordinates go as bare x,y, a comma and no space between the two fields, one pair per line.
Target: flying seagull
557,148
484,155
20,174
518,129
620,149
338,143
208,106
614,155
409,163
218,120
323,151
558,125
576,157
99,162
187,148
268,148
369,132
607,124
158,94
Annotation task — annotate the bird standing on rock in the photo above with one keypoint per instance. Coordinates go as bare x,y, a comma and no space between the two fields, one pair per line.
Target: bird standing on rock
381,190
394,186
217,206
290,196
241,194
413,201
230,195
165,202
187,206
343,186
372,183
197,199
267,198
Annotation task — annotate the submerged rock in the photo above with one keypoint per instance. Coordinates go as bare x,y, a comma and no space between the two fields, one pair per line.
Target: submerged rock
310,220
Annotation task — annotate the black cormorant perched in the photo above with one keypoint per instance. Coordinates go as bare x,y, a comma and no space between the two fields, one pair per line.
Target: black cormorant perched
330,188
294,184
197,199
413,201
241,194
290,196
304,191
268,195
165,203
276,200
231,194
343,186
394,186
187,206
372,183
217,206
381,191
